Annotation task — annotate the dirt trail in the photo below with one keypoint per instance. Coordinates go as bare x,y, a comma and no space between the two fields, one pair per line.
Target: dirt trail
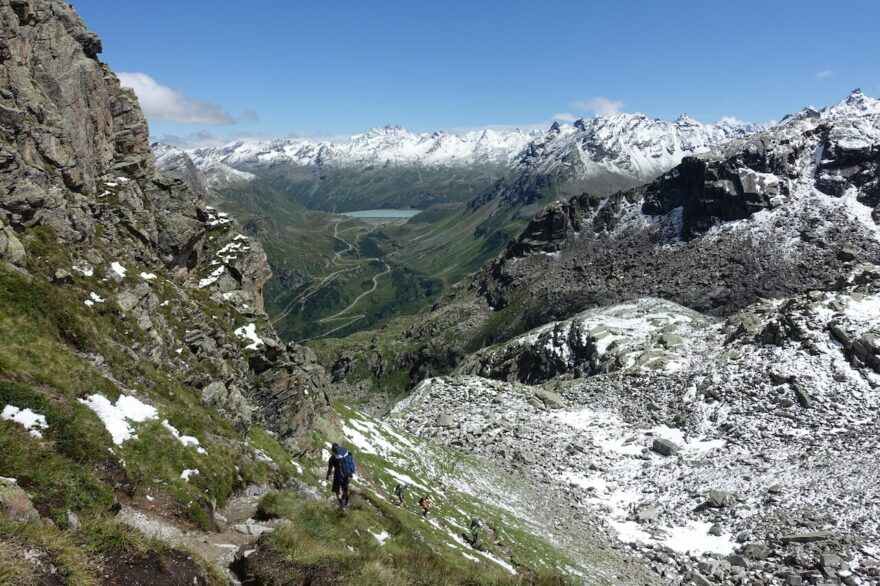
219,548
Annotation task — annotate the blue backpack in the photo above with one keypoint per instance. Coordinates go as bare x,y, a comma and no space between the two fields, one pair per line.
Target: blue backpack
347,463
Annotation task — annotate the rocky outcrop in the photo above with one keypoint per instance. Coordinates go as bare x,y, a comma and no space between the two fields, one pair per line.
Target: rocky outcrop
735,450
174,162
779,212
76,169
11,250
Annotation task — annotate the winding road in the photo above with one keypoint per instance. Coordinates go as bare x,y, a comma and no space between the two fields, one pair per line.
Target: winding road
347,267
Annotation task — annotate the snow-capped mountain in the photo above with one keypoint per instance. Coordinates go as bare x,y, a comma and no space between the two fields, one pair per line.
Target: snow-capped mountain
391,145
782,211
631,143
176,162
606,153
700,356
628,148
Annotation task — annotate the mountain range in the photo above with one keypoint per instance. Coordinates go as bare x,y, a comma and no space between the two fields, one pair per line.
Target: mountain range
627,147
622,351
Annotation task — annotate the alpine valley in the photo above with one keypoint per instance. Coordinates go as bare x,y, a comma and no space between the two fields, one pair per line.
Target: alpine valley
620,350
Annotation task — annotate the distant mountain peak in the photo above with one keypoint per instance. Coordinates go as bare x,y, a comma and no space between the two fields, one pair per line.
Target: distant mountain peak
855,104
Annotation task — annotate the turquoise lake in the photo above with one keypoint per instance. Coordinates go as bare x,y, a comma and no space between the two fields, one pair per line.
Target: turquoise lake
382,214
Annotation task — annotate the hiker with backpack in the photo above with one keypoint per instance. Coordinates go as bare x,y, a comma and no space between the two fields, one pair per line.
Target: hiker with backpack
475,532
398,492
425,503
341,465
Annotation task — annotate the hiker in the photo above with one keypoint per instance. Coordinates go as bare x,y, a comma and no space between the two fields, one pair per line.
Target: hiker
341,465
425,503
398,492
475,532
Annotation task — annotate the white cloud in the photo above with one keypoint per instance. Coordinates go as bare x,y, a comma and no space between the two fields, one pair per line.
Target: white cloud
160,102
204,138
565,117
824,73
599,106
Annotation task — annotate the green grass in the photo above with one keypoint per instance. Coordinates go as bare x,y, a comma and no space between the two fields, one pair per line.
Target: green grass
318,537
43,366
461,489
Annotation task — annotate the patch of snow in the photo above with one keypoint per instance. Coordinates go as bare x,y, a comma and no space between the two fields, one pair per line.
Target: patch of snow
148,276
118,269
188,473
212,278
185,440
381,537
694,538
117,418
83,268
32,421
249,332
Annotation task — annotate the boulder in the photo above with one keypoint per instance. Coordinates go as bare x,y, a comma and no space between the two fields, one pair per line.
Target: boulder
802,397
253,529
755,551
73,520
15,503
214,394
846,254
830,561
717,499
11,249
664,447
445,420
670,341
648,514
806,537
550,399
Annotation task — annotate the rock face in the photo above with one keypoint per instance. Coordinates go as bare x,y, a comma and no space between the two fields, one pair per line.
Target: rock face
75,164
782,211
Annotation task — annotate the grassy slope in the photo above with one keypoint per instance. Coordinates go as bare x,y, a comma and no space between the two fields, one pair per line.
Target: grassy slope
49,338
45,365
340,190
513,547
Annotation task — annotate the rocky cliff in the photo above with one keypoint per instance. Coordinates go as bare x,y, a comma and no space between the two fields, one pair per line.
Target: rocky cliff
77,172
782,211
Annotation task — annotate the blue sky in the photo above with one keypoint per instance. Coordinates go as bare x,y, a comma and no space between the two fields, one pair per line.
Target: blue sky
277,68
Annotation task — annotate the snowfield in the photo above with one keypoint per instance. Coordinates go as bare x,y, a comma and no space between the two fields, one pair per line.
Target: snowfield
764,432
